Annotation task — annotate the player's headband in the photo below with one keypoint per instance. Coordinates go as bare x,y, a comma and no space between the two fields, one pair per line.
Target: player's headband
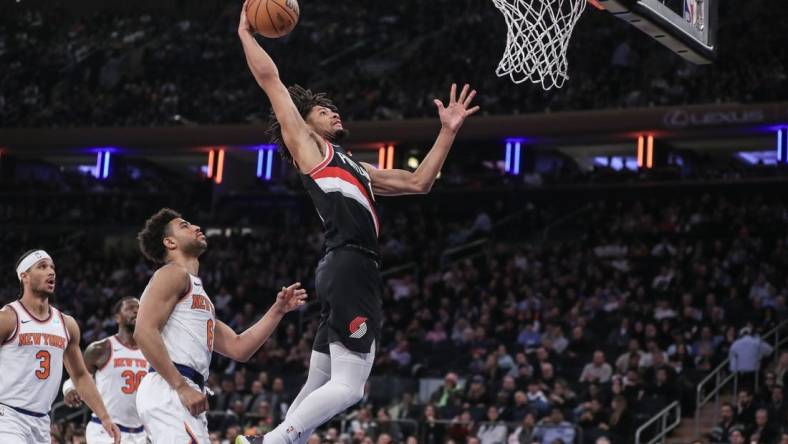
30,260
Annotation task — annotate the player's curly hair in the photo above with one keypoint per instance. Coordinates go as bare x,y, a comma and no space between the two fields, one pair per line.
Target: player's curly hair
304,100
156,228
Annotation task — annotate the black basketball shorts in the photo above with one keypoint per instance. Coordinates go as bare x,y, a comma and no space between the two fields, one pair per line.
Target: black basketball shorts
349,288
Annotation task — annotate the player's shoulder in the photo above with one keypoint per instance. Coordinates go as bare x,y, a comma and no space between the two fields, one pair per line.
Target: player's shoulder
8,314
171,277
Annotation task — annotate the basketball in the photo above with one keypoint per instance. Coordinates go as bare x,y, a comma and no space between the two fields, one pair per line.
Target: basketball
272,18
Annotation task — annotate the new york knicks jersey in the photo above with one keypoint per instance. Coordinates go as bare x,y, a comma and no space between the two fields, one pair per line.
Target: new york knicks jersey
188,333
31,360
341,190
117,382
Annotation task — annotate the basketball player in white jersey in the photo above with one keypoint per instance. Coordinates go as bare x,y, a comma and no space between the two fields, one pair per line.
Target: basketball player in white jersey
177,331
37,341
118,367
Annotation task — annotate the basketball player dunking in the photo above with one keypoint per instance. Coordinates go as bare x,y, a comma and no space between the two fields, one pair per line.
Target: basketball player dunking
38,340
348,281
177,331
118,367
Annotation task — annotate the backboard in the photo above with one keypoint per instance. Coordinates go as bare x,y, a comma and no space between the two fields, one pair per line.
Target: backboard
688,27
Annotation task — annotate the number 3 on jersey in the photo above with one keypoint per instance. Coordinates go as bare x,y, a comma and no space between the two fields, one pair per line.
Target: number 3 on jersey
43,369
209,328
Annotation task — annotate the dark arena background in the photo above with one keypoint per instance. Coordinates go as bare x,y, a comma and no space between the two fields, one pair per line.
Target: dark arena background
581,271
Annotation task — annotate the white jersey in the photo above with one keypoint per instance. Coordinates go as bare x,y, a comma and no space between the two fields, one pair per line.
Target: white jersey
117,382
31,360
188,333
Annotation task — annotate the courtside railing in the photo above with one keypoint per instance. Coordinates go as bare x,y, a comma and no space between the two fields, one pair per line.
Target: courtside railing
721,376
667,420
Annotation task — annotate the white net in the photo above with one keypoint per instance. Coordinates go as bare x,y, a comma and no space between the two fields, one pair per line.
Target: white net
537,39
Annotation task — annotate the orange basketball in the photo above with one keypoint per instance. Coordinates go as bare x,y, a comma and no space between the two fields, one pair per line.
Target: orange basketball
272,18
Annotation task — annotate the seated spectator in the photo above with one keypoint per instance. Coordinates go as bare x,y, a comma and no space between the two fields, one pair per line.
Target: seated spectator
620,425
721,432
737,436
432,432
597,371
763,432
633,355
493,431
523,434
553,429
461,427
449,389
385,426
537,400
264,422
745,408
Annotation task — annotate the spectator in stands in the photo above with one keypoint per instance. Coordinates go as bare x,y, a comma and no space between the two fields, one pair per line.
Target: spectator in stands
745,408
721,432
523,434
763,432
554,429
619,425
631,358
385,426
433,432
445,393
597,371
746,354
264,422
777,405
462,427
736,436
493,431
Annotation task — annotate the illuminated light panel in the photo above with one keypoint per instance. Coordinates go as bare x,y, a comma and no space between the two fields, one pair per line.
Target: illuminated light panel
640,151
390,157
508,165
782,145
210,164
97,171
105,172
269,162
260,157
516,166
382,158
219,167
650,151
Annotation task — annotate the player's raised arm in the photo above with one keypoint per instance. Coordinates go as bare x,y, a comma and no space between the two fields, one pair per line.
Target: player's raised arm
167,285
241,347
83,381
296,135
398,182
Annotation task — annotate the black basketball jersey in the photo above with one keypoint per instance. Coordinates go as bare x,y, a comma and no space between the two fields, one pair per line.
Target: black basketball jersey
342,192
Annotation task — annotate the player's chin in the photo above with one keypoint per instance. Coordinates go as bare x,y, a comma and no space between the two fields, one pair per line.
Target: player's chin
340,134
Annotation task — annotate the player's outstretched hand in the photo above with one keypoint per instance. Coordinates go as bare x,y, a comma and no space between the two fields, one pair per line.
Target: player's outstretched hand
453,115
194,401
72,399
243,25
290,298
111,429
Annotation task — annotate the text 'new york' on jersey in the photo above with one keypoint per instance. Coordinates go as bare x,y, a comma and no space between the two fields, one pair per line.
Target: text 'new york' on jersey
341,190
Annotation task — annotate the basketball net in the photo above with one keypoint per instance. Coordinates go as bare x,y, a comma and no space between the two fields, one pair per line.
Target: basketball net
537,39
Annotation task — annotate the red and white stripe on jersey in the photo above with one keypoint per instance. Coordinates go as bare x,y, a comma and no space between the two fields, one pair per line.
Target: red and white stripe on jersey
334,179
326,160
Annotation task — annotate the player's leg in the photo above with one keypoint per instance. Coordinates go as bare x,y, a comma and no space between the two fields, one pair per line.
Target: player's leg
349,373
319,374
166,420
14,429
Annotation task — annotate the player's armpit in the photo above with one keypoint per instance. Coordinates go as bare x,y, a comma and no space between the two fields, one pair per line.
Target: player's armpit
395,182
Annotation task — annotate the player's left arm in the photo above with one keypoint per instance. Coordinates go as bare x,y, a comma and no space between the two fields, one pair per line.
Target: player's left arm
241,347
399,182
83,381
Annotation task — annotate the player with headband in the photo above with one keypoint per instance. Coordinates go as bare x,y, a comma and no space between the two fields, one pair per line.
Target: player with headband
37,341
